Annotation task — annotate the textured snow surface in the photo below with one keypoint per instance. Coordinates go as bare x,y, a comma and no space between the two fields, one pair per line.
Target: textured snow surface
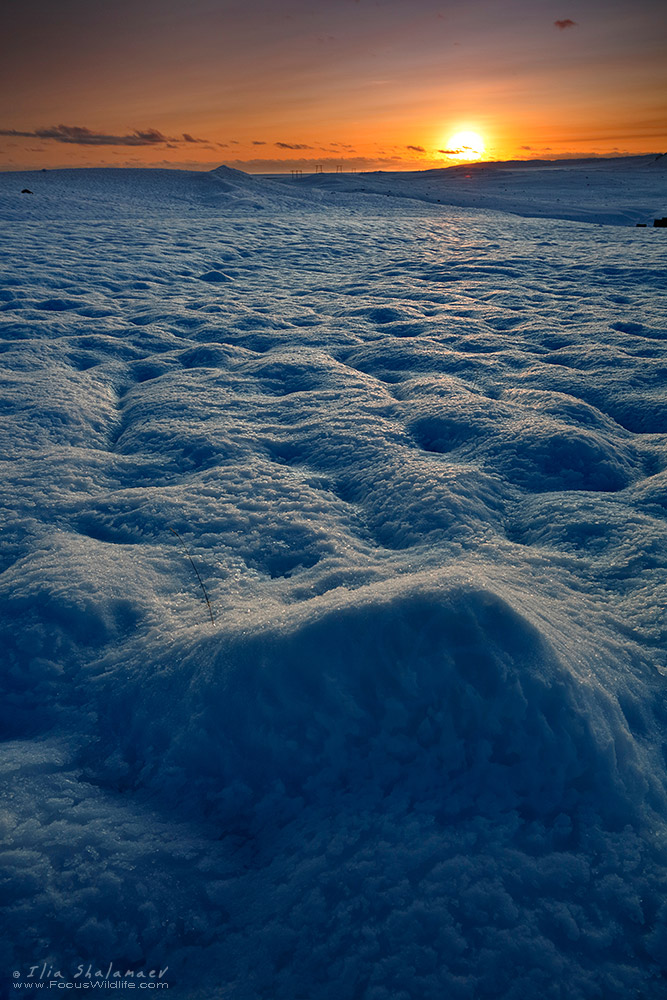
418,455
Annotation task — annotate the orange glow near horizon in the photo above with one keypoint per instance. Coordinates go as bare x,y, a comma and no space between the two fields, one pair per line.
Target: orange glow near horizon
364,85
466,145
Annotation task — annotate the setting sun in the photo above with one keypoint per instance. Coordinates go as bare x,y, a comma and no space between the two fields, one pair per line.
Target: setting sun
465,145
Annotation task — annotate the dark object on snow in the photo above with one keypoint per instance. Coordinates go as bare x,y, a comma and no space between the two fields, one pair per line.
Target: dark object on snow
641,225
660,222
215,276
26,191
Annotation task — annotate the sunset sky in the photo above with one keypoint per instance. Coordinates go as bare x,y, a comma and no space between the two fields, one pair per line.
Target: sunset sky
267,85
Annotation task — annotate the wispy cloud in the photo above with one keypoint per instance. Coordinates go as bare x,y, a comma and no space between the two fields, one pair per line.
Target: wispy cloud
566,23
78,135
258,142
416,149
292,145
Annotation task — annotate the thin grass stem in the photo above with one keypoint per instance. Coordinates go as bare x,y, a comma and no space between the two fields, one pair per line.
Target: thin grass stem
201,582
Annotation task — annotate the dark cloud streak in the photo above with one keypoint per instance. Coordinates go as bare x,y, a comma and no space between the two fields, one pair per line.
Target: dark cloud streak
78,135
566,23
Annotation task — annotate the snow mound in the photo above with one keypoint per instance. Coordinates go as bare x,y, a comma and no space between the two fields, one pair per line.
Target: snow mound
102,193
447,700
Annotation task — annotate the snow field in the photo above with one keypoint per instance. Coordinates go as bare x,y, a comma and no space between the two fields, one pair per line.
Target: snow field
418,456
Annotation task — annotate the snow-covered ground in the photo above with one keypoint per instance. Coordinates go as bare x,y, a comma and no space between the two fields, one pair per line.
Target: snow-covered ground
418,454
628,190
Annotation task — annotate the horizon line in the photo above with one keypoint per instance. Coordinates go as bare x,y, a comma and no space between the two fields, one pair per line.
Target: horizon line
340,165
